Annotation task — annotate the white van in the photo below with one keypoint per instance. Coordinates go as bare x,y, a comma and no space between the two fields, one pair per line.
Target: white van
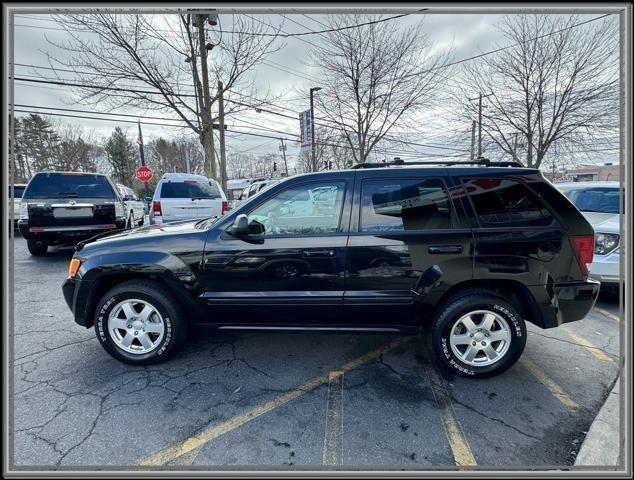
185,196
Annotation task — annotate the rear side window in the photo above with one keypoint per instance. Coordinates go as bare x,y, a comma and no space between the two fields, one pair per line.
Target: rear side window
404,204
189,189
69,185
506,203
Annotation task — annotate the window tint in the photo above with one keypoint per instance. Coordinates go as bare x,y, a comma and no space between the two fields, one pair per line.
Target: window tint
506,203
189,189
69,185
595,199
404,204
301,211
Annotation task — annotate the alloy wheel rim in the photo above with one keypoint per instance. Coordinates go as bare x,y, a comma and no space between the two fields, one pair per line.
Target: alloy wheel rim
480,338
136,326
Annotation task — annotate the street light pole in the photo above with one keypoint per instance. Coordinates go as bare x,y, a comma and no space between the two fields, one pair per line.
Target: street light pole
312,128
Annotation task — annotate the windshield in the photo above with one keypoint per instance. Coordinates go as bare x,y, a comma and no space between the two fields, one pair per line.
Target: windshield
189,189
596,199
69,185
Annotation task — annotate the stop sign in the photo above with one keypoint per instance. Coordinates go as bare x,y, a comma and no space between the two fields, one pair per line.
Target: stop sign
144,174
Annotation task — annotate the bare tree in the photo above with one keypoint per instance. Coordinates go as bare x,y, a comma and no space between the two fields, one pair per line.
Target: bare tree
374,77
171,62
554,90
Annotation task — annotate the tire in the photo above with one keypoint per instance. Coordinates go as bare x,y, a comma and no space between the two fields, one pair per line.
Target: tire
111,313
453,341
130,220
142,221
37,249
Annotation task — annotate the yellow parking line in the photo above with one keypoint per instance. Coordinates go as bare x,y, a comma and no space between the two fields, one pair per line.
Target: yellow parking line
333,438
214,431
457,441
594,350
555,389
605,313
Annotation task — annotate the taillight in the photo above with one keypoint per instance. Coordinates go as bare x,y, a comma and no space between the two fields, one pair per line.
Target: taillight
584,248
225,207
156,208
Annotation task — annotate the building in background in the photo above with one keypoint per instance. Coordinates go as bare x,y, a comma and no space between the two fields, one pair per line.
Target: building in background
588,173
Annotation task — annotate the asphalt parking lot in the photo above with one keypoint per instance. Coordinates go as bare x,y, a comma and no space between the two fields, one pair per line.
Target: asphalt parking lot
292,400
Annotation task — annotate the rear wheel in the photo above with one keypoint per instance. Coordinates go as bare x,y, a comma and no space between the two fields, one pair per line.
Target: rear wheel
130,220
36,248
139,322
478,334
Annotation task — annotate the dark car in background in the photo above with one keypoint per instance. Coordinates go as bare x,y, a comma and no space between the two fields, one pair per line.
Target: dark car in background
471,253
63,208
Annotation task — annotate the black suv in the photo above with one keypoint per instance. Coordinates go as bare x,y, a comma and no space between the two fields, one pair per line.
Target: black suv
470,252
67,207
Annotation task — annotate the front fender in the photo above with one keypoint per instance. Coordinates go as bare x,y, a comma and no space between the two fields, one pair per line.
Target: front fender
100,272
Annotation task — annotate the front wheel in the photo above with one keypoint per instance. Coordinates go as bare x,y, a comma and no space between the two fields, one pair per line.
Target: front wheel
139,322
478,335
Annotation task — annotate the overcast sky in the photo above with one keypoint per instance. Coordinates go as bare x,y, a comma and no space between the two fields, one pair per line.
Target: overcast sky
287,72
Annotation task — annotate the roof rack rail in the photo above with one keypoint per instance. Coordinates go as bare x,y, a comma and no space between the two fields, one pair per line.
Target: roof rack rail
485,162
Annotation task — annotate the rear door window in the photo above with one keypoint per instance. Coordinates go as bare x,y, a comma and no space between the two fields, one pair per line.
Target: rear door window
404,204
189,189
69,185
506,203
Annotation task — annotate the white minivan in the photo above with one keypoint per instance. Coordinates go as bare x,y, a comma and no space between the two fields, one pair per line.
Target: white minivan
185,196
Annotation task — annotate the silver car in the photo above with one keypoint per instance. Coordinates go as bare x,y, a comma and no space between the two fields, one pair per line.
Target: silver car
602,203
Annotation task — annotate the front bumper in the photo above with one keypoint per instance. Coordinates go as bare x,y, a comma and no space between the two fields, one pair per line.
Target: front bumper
607,268
561,303
76,296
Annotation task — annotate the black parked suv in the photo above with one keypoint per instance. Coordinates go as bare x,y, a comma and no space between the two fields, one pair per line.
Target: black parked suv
470,252
63,208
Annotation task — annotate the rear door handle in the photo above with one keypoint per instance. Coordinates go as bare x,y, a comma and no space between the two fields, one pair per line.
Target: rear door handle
440,249
318,253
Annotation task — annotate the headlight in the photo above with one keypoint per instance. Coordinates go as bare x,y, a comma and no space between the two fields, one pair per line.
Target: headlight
24,211
605,243
119,210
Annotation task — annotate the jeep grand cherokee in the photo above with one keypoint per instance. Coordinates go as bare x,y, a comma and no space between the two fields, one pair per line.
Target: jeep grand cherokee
469,252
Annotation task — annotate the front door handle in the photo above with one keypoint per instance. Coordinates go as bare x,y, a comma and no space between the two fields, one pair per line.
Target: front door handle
440,249
319,253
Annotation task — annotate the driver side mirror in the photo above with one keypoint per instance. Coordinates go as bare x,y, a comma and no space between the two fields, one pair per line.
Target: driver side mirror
240,227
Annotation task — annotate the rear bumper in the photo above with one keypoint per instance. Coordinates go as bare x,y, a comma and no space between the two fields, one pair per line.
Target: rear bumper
65,234
565,302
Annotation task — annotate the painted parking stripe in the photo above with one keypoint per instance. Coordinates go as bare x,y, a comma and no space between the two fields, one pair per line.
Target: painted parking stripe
588,345
550,384
607,314
460,448
333,438
214,431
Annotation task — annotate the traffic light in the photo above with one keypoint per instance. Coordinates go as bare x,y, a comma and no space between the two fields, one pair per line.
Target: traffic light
275,166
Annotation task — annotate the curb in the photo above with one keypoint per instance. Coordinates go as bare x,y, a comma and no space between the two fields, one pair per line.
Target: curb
602,445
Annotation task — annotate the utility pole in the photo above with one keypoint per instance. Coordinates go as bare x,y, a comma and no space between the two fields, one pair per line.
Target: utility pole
221,121
312,129
473,127
142,155
283,149
208,132
187,164
480,126
480,97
